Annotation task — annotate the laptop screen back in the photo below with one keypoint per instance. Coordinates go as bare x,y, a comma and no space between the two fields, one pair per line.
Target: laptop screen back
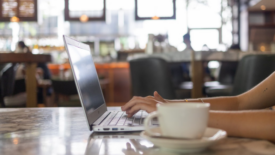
86,78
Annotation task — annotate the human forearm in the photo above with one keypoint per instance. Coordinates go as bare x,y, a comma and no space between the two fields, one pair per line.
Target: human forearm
260,96
258,124
216,103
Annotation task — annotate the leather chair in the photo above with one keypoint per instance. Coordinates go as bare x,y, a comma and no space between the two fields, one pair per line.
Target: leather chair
252,69
66,89
10,98
149,75
225,81
227,72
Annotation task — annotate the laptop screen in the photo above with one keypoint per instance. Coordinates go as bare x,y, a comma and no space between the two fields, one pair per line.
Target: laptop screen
87,79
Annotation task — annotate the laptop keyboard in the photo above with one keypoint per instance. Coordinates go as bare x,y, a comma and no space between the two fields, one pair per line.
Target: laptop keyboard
120,118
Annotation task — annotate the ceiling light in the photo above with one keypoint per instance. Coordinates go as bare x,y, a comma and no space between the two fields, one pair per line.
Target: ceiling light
262,48
84,18
263,7
155,17
14,19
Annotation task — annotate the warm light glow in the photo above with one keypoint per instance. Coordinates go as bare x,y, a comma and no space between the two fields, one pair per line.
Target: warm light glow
15,141
14,19
84,18
155,17
263,7
262,48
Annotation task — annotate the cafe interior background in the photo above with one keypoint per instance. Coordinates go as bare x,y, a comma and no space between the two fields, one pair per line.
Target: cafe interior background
120,31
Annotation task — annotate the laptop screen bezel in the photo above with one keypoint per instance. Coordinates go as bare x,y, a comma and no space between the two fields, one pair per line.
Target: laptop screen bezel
103,108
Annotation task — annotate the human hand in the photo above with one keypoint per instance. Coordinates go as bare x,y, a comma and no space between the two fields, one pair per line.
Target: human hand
148,104
159,98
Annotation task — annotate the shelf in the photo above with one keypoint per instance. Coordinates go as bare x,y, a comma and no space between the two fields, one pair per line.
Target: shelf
263,26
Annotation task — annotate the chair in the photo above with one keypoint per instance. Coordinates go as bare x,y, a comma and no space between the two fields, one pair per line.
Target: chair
67,89
225,80
149,75
227,72
10,98
252,69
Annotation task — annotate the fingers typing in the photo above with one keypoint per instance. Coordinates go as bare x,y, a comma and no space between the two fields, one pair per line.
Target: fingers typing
137,100
142,106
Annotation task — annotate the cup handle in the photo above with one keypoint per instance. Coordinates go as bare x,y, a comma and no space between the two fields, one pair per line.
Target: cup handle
147,121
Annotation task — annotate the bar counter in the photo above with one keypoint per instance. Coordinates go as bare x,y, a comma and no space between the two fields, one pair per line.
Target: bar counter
63,131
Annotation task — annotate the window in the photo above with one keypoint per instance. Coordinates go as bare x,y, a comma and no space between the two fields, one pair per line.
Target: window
21,10
155,9
204,38
210,24
85,10
204,14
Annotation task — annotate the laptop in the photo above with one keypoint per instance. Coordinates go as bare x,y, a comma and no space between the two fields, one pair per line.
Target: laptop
99,119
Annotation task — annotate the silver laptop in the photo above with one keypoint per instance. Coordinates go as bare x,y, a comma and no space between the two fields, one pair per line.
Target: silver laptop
90,93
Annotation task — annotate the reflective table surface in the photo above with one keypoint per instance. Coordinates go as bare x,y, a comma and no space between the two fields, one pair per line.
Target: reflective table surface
63,131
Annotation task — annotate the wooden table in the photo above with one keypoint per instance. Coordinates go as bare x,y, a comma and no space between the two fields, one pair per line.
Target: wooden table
64,131
31,61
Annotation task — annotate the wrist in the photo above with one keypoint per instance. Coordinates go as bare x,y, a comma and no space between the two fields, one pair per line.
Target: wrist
199,100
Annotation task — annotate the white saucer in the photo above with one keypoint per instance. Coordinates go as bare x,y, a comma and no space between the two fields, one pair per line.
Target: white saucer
210,137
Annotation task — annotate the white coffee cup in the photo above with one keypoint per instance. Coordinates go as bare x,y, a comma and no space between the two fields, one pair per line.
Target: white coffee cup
180,120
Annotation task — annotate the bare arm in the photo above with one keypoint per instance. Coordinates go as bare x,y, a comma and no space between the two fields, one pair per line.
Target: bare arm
260,97
258,124
217,103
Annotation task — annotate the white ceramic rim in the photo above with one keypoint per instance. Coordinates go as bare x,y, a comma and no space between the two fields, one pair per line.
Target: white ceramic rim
188,142
184,105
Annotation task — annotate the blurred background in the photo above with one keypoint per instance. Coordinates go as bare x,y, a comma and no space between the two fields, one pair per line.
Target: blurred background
121,31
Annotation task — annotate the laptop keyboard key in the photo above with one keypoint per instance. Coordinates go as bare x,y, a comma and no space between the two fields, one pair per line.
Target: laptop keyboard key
142,121
137,118
119,118
129,121
122,120
110,118
116,118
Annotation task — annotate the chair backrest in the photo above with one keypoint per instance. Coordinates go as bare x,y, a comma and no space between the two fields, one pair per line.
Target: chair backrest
149,75
64,87
227,72
7,76
179,72
253,69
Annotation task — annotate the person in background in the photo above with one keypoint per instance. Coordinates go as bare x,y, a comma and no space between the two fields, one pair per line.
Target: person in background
187,42
22,48
248,115
186,66
235,47
205,48
42,71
